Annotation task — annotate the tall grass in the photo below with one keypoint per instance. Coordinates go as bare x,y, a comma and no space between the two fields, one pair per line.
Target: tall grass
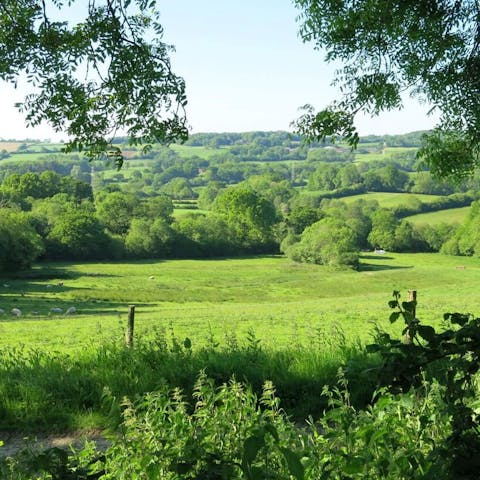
42,390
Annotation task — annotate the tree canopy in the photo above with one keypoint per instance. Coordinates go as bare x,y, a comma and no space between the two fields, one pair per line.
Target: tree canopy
428,49
106,74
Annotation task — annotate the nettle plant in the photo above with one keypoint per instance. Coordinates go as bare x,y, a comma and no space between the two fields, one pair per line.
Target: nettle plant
229,433
452,358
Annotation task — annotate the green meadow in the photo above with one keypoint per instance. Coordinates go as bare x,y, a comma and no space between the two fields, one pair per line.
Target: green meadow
190,151
258,319
282,302
450,215
387,199
383,155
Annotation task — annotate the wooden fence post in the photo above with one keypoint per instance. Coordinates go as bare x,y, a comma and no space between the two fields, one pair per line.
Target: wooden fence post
412,297
130,326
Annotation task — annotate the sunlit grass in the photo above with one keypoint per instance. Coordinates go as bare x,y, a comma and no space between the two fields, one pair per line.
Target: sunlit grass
451,215
387,199
278,299
386,154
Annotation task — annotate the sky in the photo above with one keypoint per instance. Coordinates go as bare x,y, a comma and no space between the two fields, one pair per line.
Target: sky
245,69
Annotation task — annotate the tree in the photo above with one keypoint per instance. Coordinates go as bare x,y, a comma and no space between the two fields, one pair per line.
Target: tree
250,217
116,211
147,238
327,242
109,72
78,234
430,49
178,188
384,224
466,239
209,235
160,206
20,245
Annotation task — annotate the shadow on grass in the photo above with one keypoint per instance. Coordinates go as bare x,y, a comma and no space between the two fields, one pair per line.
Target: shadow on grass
375,267
47,274
375,257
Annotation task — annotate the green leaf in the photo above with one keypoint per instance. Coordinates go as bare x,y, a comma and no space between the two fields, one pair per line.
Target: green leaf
187,343
251,447
426,332
394,317
295,466
458,318
393,304
409,306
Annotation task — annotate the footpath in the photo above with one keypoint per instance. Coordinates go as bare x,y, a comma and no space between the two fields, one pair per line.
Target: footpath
14,442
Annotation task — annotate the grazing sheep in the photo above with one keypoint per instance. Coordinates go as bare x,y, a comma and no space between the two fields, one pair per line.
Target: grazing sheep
56,310
17,312
2,311
60,284
71,310
6,285
48,285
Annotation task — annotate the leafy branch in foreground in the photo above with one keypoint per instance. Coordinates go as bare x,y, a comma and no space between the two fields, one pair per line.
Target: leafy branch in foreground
105,75
452,357
429,50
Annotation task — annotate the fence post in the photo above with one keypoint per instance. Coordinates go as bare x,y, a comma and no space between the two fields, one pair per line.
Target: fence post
130,326
412,297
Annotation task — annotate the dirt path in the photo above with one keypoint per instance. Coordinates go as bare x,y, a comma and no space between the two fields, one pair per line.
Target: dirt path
14,442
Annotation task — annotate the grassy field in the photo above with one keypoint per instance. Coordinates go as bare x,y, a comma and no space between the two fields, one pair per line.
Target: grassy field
281,301
178,212
202,152
451,215
386,199
389,152
255,318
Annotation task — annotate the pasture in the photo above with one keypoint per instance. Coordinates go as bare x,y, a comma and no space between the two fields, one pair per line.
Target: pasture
388,200
450,215
186,151
282,302
382,155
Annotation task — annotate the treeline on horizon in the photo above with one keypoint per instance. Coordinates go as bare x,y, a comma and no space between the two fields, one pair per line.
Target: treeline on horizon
62,210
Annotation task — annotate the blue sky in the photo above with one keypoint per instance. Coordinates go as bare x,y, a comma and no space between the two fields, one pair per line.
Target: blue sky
245,69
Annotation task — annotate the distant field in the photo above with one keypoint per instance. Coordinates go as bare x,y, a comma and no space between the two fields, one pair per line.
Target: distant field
387,200
281,301
202,152
20,157
451,215
389,151
10,146
178,212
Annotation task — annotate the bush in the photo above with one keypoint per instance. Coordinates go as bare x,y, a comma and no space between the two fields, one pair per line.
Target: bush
327,242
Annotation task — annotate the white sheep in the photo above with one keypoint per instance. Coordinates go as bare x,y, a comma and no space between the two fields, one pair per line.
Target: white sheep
71,310
2,311
56,310
17,312
6,285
